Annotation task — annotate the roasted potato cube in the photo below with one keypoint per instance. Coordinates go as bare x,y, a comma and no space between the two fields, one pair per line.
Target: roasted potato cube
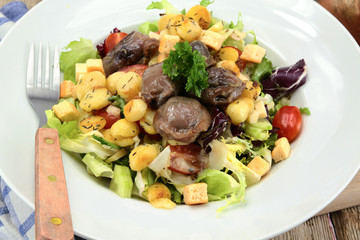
201,15
230,65
195,193
141,156
92,123
66,111
129,85
157,191
88,81
147,122
125,142
164,203
123,128
164,20
228,53
135,109
189,30
252,89
95,99
239,110
112,81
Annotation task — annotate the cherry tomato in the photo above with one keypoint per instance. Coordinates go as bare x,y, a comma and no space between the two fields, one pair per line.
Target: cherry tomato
112,40
109,116
288,120
138,68
185,159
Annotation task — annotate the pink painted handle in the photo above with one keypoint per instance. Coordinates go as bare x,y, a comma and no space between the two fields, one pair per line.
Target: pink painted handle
52,208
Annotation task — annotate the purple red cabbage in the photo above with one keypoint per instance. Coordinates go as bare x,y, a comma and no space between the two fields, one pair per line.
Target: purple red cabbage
285,80
217,128
236,130
101,46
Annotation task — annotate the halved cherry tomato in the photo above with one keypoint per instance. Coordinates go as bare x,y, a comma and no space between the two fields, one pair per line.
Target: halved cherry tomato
288,120
185,159
112,40
110,117
138,68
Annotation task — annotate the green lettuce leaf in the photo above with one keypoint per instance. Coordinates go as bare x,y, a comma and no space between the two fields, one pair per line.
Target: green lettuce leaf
163,4
97,166
71,138
305,111
206,3
259,130
146,27
122,183
239,25
76,52
262,70
221,185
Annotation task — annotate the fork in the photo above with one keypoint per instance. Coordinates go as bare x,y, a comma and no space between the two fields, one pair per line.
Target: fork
52,208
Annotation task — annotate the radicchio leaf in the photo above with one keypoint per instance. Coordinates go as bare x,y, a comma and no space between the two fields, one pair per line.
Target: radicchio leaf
101,46
285,80
236,130
217,128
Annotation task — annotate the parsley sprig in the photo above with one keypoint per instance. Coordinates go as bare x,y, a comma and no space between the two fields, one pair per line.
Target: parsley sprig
183,64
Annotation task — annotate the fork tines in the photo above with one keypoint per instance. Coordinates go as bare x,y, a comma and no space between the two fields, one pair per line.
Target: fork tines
38,80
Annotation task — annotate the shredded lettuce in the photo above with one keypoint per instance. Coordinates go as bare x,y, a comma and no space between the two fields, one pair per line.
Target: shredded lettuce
165,5
97,166
122,183
259,130
76,52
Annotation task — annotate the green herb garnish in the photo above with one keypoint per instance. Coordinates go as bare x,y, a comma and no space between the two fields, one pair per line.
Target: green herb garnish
183,64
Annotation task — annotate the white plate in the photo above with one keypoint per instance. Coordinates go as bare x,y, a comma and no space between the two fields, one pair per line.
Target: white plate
323,160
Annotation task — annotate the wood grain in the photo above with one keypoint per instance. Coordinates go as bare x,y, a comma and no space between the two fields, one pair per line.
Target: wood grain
52,208
345,221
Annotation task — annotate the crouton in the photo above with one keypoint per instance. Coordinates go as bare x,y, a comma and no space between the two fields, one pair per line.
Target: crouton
66,111
253,53
94,65
162,57
154,35
67,89
167,43
212,39
80,68
259,166
195,193
260,107
281,150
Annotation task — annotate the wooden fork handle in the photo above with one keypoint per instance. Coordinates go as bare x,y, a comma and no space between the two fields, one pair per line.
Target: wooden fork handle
52,208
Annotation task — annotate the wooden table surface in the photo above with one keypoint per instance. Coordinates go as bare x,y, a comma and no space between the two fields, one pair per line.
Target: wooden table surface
341,219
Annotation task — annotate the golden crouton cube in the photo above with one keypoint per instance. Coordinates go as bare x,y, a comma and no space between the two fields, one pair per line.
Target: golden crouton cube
260,107
94,65
281,150
167,43
259,166
67,89
212,39
80,68
253,53
195,193
154,35
66,111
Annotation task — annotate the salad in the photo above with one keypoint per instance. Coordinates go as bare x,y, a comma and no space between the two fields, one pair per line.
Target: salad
185,110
